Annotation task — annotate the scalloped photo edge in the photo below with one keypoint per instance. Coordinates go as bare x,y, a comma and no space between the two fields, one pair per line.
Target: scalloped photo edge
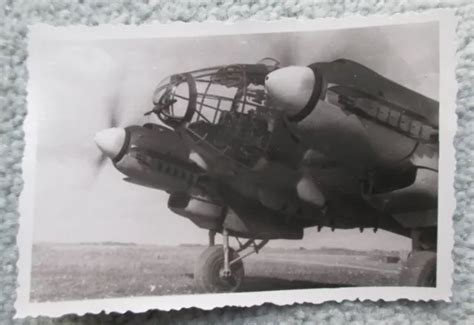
41,34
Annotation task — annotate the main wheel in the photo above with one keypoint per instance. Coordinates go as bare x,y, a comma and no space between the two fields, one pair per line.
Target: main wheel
208,275
419,270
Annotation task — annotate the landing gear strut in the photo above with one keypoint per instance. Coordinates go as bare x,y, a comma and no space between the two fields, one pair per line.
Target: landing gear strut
220,268
212,237
420,267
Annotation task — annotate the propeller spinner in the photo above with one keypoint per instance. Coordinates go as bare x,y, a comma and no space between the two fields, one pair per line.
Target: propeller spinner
110,141
295,90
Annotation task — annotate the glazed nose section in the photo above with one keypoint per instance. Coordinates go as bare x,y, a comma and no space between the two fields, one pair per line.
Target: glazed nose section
291,87
110,141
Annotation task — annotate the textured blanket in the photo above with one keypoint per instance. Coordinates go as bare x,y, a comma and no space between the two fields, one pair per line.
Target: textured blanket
15,16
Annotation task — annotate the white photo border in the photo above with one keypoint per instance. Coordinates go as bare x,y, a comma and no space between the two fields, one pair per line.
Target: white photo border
446,202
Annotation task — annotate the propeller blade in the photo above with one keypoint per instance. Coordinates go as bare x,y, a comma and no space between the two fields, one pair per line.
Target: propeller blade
113,111
287,55
98,165
112,120
100,161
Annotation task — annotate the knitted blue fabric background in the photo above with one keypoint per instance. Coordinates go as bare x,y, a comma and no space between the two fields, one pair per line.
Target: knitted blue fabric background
16,15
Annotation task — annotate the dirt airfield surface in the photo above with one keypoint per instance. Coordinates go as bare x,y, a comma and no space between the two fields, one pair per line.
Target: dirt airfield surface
110,270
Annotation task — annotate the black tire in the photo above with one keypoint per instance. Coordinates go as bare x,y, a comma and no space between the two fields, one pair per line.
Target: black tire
419,270
207,271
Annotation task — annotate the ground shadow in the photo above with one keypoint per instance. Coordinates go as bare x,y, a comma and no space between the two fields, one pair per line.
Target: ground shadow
260,283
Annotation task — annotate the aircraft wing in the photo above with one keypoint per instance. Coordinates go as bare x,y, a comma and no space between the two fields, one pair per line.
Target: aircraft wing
354,75
383,112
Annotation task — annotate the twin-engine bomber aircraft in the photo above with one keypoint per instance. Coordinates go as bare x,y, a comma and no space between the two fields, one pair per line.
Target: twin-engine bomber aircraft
260,152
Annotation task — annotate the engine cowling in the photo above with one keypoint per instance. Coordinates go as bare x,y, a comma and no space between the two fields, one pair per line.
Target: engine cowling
295,90
200,210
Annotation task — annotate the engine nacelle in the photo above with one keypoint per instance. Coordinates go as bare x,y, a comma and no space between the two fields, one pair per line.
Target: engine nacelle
200,210
295,90
251,221
260,226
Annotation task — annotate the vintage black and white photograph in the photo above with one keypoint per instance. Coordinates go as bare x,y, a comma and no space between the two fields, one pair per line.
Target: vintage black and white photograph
194,168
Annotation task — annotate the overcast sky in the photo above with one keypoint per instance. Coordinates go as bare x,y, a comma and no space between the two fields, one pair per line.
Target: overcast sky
75,83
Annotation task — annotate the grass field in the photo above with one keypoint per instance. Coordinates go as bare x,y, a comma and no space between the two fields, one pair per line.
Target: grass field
92,271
